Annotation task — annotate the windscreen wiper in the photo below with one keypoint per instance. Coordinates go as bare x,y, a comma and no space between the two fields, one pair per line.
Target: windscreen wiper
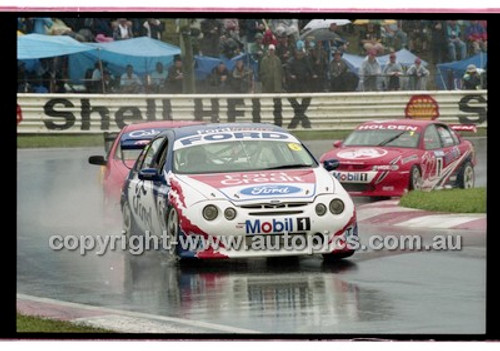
297,165
392,138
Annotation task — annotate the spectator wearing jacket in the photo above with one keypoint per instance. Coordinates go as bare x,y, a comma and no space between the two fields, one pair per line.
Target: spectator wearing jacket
370,71
130,82
418,75
219,79
471,79
338,73
300,72
175,79
439,42
392,71
153,28
122,29
454,41
271,72
241,78
476,37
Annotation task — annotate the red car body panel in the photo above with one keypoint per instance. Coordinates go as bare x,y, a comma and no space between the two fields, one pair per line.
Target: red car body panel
385,170
116,170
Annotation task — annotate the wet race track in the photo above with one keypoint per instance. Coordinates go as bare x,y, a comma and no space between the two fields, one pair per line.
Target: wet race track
373,292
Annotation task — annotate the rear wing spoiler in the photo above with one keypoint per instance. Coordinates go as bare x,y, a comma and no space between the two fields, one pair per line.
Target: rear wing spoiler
464,127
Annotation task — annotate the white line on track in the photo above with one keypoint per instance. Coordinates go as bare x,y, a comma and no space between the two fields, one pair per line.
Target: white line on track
147,319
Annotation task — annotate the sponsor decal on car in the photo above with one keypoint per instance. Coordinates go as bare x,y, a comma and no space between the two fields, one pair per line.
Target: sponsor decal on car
452,155
269,190
388,127
355,177
231,136
142,142
273,226
409,159
254,185
148,133
362,153
233,179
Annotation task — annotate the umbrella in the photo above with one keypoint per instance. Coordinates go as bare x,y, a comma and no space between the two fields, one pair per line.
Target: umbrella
321,34
325,23
361,22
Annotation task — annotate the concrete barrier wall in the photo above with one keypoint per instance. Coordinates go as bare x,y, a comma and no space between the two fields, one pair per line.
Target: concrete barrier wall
89,113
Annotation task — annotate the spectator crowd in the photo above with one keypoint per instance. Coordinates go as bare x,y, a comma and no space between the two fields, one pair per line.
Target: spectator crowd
282,55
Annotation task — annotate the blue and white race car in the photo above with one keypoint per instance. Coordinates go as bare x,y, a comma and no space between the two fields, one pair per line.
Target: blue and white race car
237,190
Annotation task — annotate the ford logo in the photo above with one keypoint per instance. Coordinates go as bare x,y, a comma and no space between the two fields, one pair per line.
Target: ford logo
270,190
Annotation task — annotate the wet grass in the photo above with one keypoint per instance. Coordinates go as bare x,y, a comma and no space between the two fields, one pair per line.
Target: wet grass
32,324
447,200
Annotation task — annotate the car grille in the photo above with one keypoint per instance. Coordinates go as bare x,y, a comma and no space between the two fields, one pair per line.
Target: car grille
353,167
357,187
269,209
276,241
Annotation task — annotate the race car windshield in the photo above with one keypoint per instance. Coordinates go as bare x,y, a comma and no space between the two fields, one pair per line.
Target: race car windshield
394,138
237,156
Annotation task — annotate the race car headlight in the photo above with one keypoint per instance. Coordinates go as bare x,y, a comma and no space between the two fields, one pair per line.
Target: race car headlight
385,168
210,212
320,209
336,206
230,213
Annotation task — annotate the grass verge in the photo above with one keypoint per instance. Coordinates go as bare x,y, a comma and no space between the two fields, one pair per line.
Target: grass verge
31,324
76,140
88,140
447,200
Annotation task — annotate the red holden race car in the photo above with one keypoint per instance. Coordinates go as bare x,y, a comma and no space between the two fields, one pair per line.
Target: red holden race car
388,158
122,154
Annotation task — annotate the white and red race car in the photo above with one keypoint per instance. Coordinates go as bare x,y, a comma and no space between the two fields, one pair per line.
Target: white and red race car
237,190
388,158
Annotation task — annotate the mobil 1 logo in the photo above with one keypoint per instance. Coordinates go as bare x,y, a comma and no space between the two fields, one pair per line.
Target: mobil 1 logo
285,225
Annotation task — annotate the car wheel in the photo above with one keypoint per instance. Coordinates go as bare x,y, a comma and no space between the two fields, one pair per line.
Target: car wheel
128,225
466,176
415,178
172,232
333,257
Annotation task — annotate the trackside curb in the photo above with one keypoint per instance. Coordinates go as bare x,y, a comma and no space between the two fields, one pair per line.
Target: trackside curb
118,320
389,212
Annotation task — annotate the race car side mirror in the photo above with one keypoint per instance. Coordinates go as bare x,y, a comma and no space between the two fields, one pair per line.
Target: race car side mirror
149,174
337,143
97,160
330,165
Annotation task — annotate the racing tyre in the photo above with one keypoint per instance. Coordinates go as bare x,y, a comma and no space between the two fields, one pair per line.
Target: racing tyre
334,257
129,225
172,232
466,176
415,178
